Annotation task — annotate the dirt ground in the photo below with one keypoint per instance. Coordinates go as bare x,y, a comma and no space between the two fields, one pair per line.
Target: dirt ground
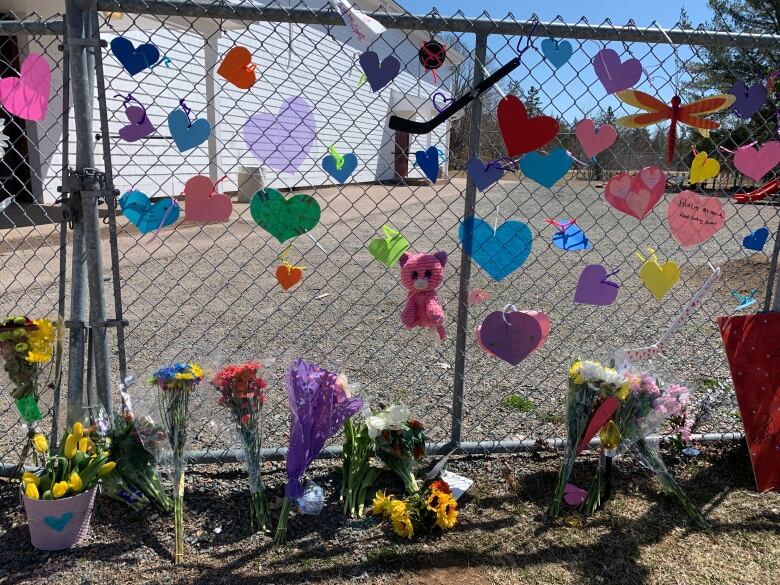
503,537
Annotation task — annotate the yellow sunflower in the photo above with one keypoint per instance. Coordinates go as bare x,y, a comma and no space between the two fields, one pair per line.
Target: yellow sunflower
574,372
447,513
402,525
382,504
434,500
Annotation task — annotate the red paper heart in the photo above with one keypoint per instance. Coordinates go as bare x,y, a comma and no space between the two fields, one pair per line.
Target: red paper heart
523,134
237,69
202,204
288,276
602,415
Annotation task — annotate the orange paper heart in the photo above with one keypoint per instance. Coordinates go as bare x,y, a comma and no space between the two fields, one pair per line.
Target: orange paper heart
288,276
237,68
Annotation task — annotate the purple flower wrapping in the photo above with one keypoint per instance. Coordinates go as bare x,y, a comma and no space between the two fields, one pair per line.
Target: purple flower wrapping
319,407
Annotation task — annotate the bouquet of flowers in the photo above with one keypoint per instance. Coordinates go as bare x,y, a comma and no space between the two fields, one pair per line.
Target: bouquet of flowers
320,404
240,390
431,509
399,441
589,385
175,385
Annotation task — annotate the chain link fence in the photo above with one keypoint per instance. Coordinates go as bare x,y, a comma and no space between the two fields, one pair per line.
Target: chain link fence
208,291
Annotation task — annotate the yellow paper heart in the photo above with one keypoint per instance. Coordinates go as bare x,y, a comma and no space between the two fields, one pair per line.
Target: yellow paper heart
659,279
703,168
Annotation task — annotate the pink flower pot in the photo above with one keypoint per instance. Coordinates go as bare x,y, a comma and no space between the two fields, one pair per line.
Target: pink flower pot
59,524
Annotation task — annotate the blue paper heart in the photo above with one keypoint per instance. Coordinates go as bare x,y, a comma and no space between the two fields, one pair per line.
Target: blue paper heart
58,523
557,52
342,174
546,170
756,240
134,59
186,135
483,177
499,252
428,161
146,216
571,237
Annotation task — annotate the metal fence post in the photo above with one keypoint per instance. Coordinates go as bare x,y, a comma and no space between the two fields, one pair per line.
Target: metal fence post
465,259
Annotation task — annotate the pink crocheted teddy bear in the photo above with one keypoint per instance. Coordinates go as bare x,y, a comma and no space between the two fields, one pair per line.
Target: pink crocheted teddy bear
421,275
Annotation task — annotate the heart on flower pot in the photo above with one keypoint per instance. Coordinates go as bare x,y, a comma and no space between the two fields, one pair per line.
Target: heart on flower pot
134,59
348,166
140,125
756,239
282,141
755,163
499,252
659,279
513,335
237,68
703,168
636,195
749,99
428,161
388,250
557,52
482,175
203,204
58,523
593,288
546,170
145,215
288,276
522,134
694,219
594,141
187,135
613,74
379,74
284,218
27,96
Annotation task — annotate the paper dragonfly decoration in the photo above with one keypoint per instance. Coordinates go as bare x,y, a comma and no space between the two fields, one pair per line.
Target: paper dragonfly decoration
677,113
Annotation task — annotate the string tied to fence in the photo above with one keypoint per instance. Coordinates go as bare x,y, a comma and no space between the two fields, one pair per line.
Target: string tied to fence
126,99
283,257
724,149
337,156
578,161
174,203
187,110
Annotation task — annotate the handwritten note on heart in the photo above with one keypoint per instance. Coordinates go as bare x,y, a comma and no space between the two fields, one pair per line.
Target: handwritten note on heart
694,219
659,279
595,288
203,204
522,134
500,252
284,218
755,163
594,141
513,335
636,195
282,141
27,96
145,215
613,74
237,68
379,74
703,168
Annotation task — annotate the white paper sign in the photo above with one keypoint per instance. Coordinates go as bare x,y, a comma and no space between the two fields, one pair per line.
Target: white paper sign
365,29
458,483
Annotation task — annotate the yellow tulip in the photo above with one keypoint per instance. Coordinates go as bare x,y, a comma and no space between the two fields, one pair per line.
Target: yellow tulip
31,491
75,482
610,436
41,444
59,489
28,477
106,468
78,431
70,447
86,445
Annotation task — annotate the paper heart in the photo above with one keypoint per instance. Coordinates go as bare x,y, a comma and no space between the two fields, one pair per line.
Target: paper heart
593,288
237,68
445,101
522,134
203,204
282,141
557,52
614,75
500,252
140,125
288,276
749,99
574,495
134,59
388,250
756,240
284,218
636,195
58,523
187,135
703,168
546,170
600,417
570,236
27,96
428,161
659,279
340,174
594,141
513,335
477,296
694,219
379,74
144,214
757,163
483,176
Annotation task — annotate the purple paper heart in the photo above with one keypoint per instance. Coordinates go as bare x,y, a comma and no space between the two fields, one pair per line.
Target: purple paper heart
614,75
574,495
749,99
140,125
593,288
379,74
282,141
483,175
511,336
445,101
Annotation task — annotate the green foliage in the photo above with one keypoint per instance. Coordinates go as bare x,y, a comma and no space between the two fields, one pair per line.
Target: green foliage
518,403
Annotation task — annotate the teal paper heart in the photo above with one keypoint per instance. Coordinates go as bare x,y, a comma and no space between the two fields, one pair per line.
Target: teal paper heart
499,252
284,218
58,523
145,215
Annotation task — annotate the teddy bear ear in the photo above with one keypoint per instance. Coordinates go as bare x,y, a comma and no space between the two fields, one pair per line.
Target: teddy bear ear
441,257
404,258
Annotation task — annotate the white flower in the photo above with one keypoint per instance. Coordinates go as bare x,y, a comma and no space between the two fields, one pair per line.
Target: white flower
611,376
390,419
592,371
349,389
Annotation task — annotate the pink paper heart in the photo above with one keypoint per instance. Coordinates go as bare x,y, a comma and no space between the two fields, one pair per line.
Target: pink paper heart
202,204
636,195
651,176
637,201
27,96
694,219
757,163
573,495
594,141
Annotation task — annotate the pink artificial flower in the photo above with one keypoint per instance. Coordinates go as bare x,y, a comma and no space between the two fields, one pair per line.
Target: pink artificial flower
246,418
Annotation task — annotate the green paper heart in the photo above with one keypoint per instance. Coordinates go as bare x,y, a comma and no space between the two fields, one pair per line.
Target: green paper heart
28,409
284,218
389,250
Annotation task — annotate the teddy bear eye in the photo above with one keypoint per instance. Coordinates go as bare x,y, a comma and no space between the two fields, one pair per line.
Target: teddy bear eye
428,273
415,274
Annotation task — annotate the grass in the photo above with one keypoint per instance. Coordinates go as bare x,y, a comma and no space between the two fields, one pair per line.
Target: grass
518,403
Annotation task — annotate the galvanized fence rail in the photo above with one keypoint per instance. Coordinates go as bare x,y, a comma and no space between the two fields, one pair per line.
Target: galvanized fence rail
207,291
